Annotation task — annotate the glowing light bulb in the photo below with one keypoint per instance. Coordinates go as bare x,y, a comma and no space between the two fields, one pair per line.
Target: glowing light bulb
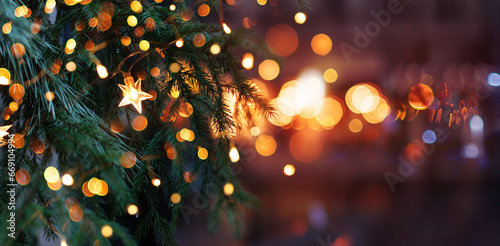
132,209
228,189
226,28
179,43
215,49
156,182
300,18
102,71
132,21
67,180
289,170
234,155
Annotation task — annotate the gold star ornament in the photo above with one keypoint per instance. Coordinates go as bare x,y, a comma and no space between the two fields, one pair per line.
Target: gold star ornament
132,94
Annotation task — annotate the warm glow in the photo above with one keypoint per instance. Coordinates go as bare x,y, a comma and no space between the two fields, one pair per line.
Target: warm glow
379,114
228,189
289,170
4,76
328,112
107,231
86,191
13,106
226,28
18,50
265,145
139,123
136,6
126,41
76,213
362,98
128,159
306,146
203,153
185,109
71,44
132,21
63,243
262,2
247,61
102,71
67,179
282,40
179,43
132,94
321,44
421,96
255,131
50,4
175,67
215,49
144,45
355,125
71,2
234,155
156,182
71,66
21,11
132,209
175,198
49,95
6,28
330,75
269,69
199,40
203,10
300,18
23,177
51,174
155,72
172,7
55,185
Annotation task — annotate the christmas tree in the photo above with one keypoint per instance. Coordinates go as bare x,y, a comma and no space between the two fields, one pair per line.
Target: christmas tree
114,111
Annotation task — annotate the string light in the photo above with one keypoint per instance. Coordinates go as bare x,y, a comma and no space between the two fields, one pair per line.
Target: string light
228,189
67,179
247,61
300,18
179,43
4,76
144,45
175,198
132,21
156,182
132,209
102,71
289,170
226,28
215,49
234,155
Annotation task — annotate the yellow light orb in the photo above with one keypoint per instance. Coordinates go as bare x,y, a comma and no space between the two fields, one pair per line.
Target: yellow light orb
107,231
300,18
51,174
329,112
71,44
355,125
228,189
49,95
255,131
226,28
71,66
132,209
269,69
330,75
132,21
179,43
13,106
102,71
215,49
55,185
321,44
175,67
289,170
175,198
203,153
156,182
6,28
247,61
67,179
234,155
144,45
136,6
50,4
262,2
172,7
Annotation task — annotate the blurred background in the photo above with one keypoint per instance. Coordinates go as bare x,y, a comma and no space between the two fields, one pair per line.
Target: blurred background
387,126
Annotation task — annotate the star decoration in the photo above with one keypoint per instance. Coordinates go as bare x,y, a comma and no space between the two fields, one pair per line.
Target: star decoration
132,94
